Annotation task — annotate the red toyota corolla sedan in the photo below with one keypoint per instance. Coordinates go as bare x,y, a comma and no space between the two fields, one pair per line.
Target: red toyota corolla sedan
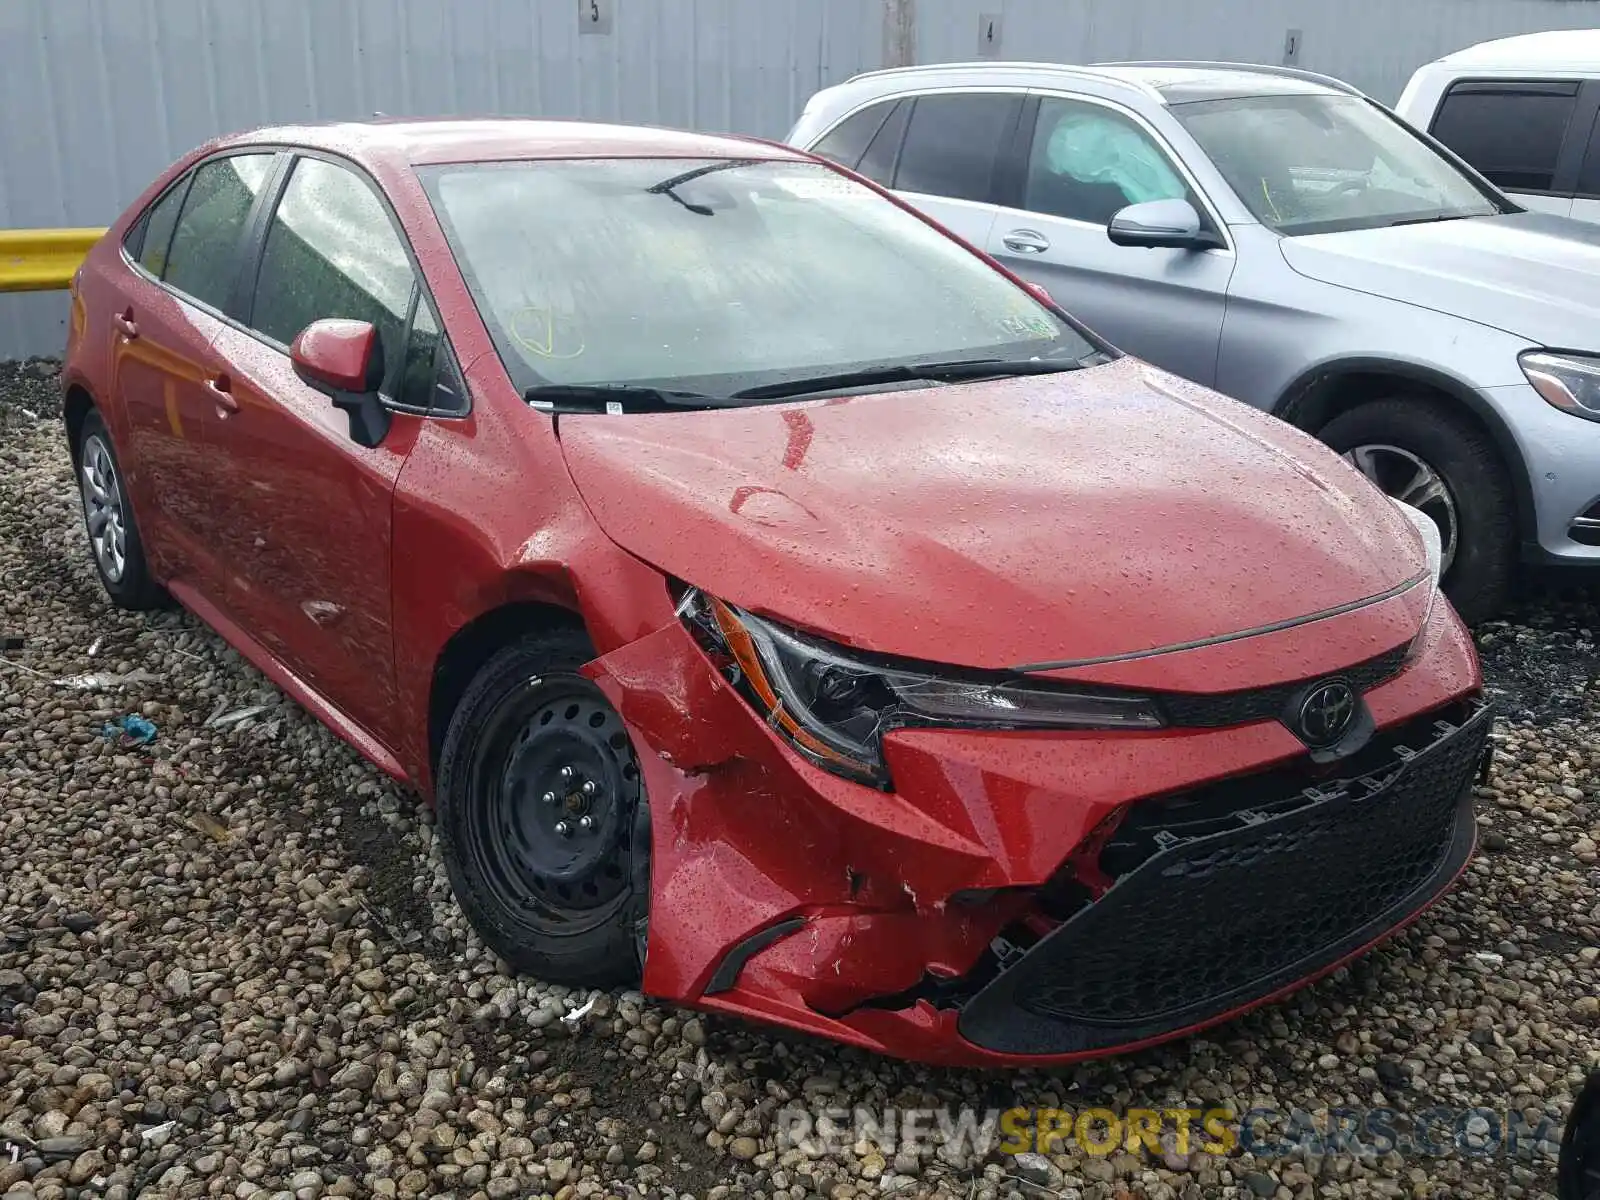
777,599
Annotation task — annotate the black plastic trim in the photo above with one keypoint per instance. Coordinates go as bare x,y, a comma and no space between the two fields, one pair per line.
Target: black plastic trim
992,1021
727,972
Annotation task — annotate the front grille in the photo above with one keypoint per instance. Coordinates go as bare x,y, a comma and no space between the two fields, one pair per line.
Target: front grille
1270,703
1216,918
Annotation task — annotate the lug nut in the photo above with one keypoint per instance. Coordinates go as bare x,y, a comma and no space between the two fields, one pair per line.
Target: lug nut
566,772
563,829
548,797
585,823
589,788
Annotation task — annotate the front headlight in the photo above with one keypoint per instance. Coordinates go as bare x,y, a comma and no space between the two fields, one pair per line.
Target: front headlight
834,705
1432,543
1571,382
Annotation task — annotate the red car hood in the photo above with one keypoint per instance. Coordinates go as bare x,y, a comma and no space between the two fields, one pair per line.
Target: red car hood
1075,516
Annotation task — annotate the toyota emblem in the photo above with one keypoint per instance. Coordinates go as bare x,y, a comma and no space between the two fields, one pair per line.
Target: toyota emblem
1326,713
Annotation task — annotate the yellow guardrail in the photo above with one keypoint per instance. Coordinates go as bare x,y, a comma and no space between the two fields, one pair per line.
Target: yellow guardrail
42,260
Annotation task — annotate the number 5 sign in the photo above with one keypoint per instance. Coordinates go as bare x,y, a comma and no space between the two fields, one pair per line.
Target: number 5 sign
594,16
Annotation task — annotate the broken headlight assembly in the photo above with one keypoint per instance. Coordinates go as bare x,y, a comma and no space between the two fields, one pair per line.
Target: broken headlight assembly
833,705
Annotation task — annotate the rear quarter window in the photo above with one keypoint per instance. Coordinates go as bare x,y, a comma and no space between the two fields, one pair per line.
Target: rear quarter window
847,141
152,237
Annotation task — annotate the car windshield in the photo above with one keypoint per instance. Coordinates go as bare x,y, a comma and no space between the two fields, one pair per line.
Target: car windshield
1321,164
721,275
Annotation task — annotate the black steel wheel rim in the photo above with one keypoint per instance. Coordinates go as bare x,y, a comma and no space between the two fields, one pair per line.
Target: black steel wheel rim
556,789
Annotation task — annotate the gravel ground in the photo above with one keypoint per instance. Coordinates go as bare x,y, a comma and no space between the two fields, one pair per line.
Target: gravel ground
230,964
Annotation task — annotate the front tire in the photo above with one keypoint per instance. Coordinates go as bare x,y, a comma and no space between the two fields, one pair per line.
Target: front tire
543,818
1442,462
114,542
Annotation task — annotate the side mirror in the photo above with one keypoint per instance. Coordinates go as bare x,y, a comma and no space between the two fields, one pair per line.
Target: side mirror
344,360
1173,224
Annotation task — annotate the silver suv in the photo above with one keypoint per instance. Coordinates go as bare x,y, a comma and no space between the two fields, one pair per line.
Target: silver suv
1280,237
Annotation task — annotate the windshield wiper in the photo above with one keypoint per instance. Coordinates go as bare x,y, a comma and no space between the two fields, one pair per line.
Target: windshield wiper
1432,219
669,187
613,398
951,371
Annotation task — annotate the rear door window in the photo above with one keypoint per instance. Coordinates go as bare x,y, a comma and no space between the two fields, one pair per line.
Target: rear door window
1512,131
202,260
954,142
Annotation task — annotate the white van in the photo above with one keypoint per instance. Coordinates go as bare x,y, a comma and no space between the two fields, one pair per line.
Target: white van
1522,111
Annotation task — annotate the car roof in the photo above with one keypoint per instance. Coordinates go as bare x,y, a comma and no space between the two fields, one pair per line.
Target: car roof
387,141
1181,82
1164,82
1553,50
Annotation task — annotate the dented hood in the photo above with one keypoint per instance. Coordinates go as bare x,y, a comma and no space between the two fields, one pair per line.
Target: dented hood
1082,515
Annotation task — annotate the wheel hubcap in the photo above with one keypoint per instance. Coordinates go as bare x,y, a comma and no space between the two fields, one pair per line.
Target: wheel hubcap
561,811
1402,475
103,510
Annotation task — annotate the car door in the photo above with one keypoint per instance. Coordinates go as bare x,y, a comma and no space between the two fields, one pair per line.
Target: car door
182,260
306,509
1518,134
1083,160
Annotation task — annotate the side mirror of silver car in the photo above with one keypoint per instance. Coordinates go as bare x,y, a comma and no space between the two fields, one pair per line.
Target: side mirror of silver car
1173,224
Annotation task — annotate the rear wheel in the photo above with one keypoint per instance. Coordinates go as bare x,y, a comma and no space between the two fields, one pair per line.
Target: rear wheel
114,541
1442,463
543,819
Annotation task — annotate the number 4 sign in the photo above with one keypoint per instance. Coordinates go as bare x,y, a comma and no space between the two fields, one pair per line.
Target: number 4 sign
988,35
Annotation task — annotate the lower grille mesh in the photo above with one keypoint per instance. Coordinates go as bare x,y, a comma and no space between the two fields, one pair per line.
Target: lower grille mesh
1210,922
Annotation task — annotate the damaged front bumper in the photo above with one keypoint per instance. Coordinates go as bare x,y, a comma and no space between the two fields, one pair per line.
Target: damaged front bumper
1026,897
1268,886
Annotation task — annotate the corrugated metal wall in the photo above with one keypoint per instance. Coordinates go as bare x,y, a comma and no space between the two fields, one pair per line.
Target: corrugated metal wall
97,96
1375,44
